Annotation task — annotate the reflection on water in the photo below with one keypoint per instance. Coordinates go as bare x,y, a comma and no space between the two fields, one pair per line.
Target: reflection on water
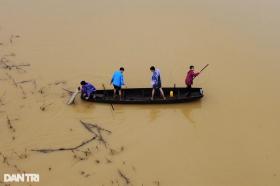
155,111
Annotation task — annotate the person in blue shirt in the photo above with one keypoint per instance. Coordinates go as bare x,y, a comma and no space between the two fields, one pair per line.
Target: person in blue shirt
118,81
156,82
88,90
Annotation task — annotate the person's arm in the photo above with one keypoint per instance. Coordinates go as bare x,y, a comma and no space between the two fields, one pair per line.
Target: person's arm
154,79
196,74
112,79
122,80
186,79
84,90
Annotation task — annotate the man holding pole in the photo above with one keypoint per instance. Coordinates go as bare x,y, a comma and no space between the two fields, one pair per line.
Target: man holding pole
190,77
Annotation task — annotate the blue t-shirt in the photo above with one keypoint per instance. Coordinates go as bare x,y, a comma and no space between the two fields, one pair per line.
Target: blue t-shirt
88,89
118,79
156,80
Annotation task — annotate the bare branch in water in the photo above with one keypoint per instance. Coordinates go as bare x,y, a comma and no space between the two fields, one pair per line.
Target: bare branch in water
4,62
9,123
89,127
59,82
96,126
44,106
25,81
12,79
22,91
18,84
1,98
65,149
69,91
124,177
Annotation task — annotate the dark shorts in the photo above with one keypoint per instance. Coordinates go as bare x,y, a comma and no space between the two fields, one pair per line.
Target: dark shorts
117,88
157,86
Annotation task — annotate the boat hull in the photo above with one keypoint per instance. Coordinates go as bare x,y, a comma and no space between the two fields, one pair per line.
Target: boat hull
143,96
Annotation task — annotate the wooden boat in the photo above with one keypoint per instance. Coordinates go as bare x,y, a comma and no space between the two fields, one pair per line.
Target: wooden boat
143,96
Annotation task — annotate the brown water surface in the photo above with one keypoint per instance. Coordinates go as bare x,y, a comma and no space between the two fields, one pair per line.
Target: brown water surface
229,138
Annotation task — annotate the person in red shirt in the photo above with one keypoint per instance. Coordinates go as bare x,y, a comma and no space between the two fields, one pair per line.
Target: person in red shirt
189,79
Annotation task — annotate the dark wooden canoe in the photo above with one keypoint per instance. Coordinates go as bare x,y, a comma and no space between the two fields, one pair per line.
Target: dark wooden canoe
143,96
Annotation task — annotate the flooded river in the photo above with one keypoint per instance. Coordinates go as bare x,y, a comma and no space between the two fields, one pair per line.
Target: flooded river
228,138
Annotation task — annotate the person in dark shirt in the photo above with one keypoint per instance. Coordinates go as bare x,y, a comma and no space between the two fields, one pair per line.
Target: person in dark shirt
88,90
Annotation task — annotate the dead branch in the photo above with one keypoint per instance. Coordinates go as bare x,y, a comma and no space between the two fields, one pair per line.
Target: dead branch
22,91
91,126
4,62
88,126
9,123
69,91
12,79
44,106
25,81
59,82
41,90
1,98
126,179
114,151
65,149
23,155
95,126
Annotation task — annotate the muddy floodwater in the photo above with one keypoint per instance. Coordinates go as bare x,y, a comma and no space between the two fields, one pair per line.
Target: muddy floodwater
228,138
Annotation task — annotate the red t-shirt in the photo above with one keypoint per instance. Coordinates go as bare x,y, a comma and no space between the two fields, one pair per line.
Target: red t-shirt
190,76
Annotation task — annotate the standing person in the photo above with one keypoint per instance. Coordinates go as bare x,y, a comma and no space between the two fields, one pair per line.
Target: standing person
189,79
88,90
156,82
118,81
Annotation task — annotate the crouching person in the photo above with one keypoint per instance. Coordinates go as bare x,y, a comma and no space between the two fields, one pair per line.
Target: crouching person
88,90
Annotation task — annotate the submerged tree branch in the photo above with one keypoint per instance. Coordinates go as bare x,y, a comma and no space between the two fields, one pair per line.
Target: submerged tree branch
126,179
97,135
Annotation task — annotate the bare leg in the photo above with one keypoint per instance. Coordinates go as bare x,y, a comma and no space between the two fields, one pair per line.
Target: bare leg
162,93
114,92
120,93
153,93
